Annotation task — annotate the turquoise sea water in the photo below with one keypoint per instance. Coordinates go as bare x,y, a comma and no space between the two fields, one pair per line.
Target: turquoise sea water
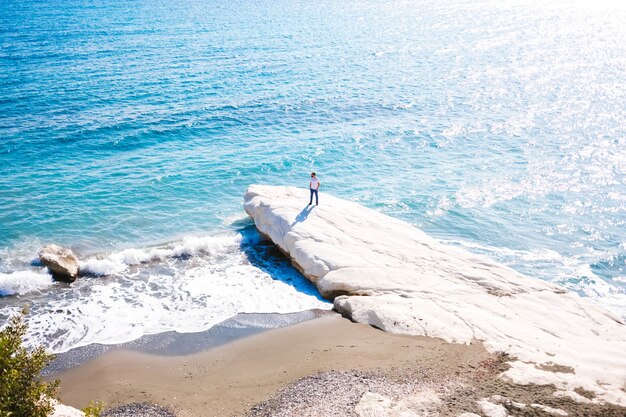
130,131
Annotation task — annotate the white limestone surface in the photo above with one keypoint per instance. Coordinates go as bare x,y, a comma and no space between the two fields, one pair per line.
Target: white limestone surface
62,410
387,273
422,403
490,409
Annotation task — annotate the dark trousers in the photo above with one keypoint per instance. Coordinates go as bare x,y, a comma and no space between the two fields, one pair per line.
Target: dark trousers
316,197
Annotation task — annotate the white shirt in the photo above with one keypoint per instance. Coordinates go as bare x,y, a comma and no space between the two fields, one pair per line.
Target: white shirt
315,183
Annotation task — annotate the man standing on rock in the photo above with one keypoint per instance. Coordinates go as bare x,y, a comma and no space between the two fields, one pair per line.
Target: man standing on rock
314,185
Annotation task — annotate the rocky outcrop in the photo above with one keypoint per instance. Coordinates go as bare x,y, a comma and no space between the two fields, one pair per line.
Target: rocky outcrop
61,262
62,410
391,275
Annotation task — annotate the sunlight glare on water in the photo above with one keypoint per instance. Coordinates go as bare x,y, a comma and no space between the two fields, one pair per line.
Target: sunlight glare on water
496,126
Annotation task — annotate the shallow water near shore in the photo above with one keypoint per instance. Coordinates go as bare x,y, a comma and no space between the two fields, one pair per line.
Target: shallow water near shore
182,344
130,133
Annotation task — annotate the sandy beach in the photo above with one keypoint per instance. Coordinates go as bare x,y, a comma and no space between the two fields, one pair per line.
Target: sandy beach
465,254
425,330
325,366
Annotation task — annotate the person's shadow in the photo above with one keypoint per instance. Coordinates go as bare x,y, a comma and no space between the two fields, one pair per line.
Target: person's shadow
302,216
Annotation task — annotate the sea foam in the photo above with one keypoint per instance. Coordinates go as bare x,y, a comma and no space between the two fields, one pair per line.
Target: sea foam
188,247
188,285
22,282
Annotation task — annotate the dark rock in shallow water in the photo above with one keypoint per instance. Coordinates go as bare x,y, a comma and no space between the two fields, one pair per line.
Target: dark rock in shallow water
138,410
61,262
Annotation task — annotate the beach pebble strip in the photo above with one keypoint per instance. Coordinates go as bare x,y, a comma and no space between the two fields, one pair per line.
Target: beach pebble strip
138,410
340,393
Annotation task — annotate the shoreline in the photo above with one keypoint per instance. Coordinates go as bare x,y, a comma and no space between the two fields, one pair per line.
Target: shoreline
381,271
323,366
231,378
425,329
172,343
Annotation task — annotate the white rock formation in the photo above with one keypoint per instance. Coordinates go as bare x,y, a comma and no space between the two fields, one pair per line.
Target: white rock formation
62,410
376,405
550,410
490,409
422,403
61,262
392,275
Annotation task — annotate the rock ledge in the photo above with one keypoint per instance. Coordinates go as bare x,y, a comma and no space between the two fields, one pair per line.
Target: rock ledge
391,275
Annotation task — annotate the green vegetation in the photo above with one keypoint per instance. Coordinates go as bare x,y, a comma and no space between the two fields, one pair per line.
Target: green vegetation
94,409
22,391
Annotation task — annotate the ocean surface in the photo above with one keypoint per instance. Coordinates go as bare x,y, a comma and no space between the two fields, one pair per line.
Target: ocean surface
129,131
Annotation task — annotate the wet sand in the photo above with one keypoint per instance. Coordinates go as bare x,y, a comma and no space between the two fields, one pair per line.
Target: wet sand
323,366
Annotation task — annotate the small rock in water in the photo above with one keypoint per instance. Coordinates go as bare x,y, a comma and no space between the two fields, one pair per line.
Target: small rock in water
138,410
61,262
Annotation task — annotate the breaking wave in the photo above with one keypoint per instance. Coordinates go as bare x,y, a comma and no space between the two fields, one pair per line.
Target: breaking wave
187,286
